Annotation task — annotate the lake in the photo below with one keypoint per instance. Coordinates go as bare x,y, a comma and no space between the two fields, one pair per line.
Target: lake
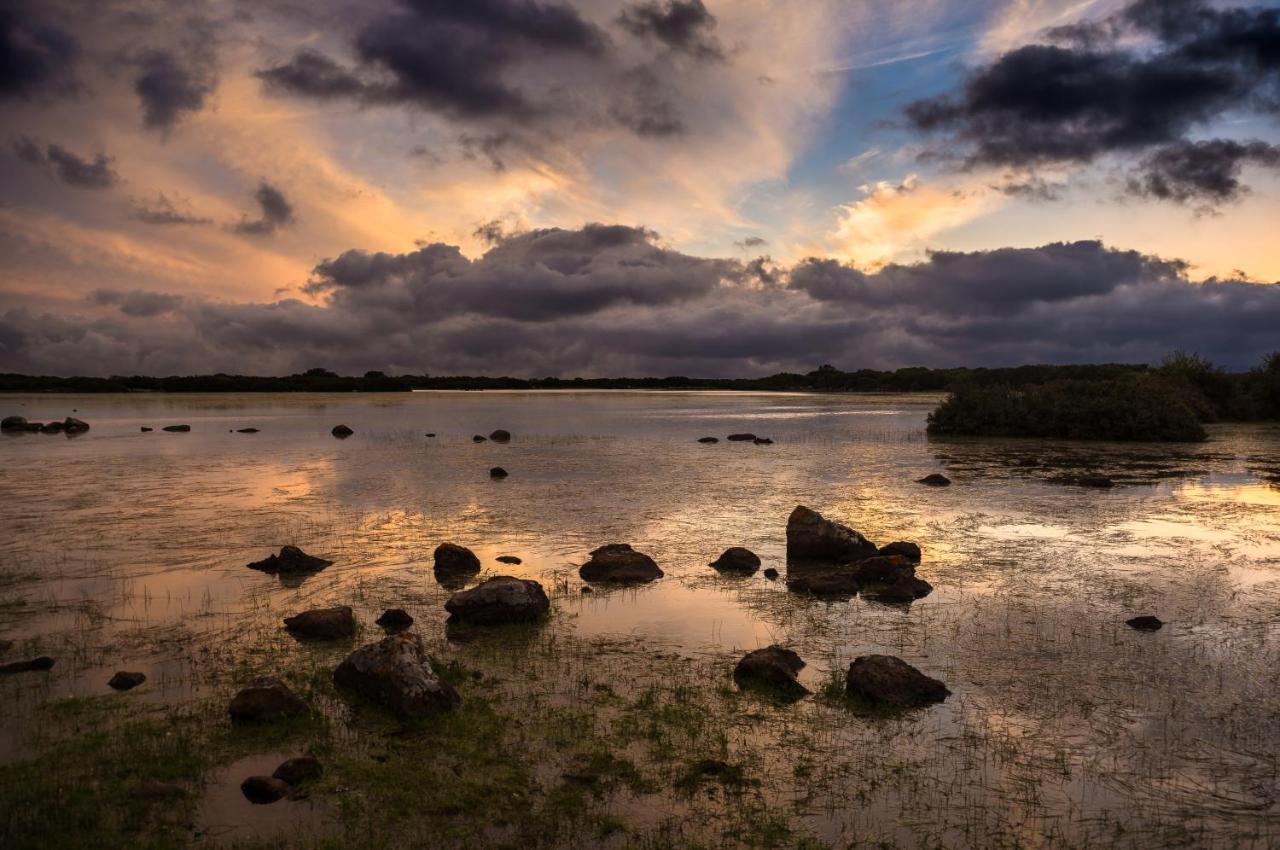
124,549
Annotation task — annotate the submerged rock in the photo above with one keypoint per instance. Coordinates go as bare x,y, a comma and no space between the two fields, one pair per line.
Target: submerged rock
431,435
261,790
934,479
34,665
341,432
500,436
453,561
708,439
502,599
479,438
1145,623
396,673
15,423
290,561
773,668
618,562
770,573
123,680
736,559
176,429
762,441
910,551
507,559
395,620
296,771
51,427
883,569
810,537
246,430
74,426
742,438
1100,482
905,589
835,583
145,429
497,472
323,623
265,700
888,681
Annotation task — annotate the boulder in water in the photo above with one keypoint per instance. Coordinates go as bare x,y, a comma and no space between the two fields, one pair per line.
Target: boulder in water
322,623
762,441
507,559
502,599
74,426
905,590
123,680
772,668
396,673
14,423
264,700
889,682
290,561
810,537
910,551
742,438
176,429
708,439
34,665
1145,623
395,620
479,438
500,436
341,432
770,573
497,472
454,560
934,479
882,569
246,430
618,562
736,559
831,583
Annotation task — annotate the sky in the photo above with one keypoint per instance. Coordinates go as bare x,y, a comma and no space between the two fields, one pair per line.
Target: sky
635,187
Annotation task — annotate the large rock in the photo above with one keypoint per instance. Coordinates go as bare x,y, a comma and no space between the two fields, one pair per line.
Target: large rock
266,699
341,432
296,771
322,623
261,790
1145,623
502,599
500,436
395,620
290,561
454,564
708,439
890,682
833,583
124,680
810,537
35,665
883,569
497,472
910,551
396,673
618,562
905,589
736,559
176,429
934,479
14,423
74,426
53,427
774,668
742,438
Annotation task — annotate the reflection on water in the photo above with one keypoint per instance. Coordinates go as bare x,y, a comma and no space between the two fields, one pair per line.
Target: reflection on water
128,549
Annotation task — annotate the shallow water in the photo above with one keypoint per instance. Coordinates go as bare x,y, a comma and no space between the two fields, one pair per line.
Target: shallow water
123,549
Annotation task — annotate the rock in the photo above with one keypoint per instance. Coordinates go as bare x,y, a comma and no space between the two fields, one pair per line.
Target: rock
742,438
261,790
773,668
145,429
497,472
478,439
736,559
54,427
825,584
586,590
452,560
176,429
507,559
763,441
770,573
431,435
246,430
502,599
883,569
341,432
298,770
265,700
322,623
35,665
618,562
75,426
1101,482
13,423
123,680
1145,623
905,589
500,436
708,439
395,620
810,537
154,789
910,551
885,680
934,480
395,673
290,561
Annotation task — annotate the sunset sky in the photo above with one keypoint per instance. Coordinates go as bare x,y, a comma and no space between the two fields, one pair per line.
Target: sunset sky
608,187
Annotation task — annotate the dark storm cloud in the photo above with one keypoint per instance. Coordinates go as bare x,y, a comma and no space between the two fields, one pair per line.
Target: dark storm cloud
169,88
1201,171
312,74
36,58
682,25
66,166
612,300
276,212
1141,79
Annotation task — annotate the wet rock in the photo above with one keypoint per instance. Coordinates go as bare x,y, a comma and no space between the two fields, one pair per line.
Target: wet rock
934,479
246,430
261,790
395,620
905,589
290,561
618,562
836,583
123,680
736,559
770,573
145,429
341,432
742,438
810,537
708,439
479,438
74,426
396,673
154,789
762,441
298,770
502,599
500,436
497,472
454,562
431,435
14,423
176,429
883,569
265,700
54,427
910,551
773,668
1144,623
34,665
888,681
507,559
322,623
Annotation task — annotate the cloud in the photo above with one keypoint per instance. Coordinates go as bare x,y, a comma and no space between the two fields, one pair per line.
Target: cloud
67,166
1141,79
607,299
163,211
1205,171
36,58
682,25
170,89
277,212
